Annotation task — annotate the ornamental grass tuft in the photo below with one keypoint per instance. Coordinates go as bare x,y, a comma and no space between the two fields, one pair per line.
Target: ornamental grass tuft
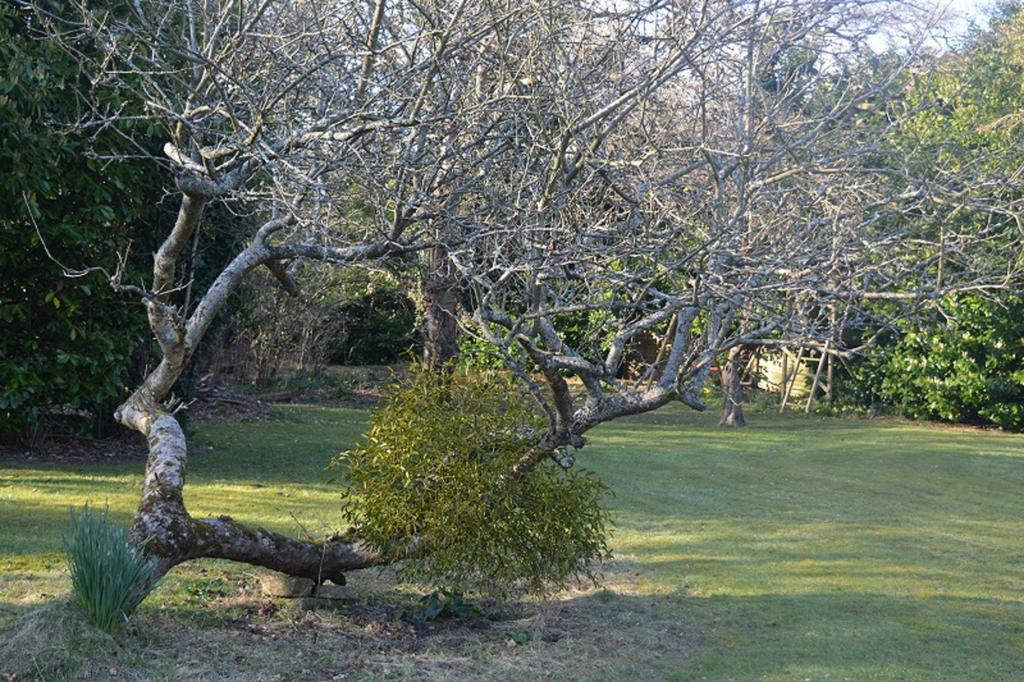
107,573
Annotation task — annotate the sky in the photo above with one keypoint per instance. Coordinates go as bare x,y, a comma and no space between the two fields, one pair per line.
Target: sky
962,15
969,9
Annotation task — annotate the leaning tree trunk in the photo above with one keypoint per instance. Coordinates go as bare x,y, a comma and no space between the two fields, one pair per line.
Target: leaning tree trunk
162,527
441,303
170,535
732,390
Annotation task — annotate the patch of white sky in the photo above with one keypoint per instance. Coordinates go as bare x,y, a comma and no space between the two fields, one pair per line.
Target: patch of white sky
976,11
967,15
953,20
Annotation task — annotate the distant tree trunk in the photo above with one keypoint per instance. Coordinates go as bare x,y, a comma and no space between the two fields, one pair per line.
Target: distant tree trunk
441,303
732,390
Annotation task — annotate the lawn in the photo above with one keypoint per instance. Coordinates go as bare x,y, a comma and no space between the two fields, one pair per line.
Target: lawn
798,548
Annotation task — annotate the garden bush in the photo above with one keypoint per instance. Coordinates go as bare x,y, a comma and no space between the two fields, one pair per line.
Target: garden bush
431,477
69,346
967,369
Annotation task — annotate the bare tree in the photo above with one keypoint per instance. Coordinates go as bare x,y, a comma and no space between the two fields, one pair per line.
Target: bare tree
732,388
341,132
679,171
297,114
752,200
440,310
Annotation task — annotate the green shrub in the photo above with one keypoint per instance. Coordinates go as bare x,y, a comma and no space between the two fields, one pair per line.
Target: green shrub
432,473
969,369
441,604
68,347
968,364
380,324
479,355
106,572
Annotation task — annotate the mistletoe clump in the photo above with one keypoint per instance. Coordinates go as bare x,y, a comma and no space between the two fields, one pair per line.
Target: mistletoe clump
432,482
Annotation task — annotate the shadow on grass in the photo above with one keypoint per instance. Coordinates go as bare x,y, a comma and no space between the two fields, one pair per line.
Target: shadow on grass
818,635
600,634
37,529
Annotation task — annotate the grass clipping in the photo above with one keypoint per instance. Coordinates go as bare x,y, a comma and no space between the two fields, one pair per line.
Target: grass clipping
432,472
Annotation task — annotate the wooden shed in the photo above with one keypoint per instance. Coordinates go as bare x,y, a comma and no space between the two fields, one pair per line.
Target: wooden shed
768,367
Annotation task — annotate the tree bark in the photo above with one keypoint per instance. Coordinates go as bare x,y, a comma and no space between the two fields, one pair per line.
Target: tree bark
162,527
441,304
732,390
170,535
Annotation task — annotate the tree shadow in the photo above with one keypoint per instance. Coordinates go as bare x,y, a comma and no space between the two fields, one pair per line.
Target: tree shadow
818,634
620,631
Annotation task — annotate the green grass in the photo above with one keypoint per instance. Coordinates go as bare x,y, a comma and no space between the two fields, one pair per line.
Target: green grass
798,548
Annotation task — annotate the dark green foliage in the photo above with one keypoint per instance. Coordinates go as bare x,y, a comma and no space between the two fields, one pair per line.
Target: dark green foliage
969,369
441,604
351,315
433,472
379,319
476,354
67,345
587,332
107,574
